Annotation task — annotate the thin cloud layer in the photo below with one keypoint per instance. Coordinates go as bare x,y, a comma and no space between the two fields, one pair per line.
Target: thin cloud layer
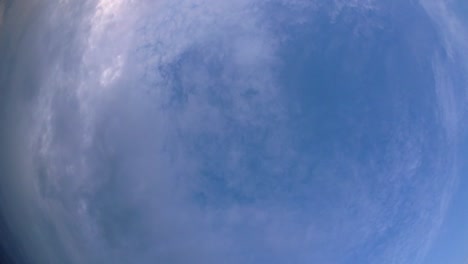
184,132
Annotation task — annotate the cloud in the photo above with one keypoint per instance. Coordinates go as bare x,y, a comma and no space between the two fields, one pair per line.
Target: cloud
118,116
161,131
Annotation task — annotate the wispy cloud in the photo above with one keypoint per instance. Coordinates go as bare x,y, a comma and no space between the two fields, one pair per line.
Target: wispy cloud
160,131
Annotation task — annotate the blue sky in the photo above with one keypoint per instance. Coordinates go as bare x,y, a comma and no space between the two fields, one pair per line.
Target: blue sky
203,131
450,245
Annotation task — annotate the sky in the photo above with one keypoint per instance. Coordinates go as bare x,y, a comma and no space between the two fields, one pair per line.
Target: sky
208,131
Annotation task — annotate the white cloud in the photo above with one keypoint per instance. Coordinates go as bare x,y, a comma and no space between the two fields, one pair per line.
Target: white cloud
98,144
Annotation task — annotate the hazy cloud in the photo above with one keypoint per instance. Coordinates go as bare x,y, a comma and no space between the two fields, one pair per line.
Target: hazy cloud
161,131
